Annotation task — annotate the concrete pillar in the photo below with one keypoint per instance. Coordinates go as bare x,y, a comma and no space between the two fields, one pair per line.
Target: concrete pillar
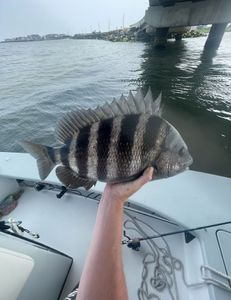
161,37
215,35
178,36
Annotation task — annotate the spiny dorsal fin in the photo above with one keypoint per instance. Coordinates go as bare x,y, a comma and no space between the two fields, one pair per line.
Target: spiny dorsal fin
71,123
132,104
157,108
153,106
139,97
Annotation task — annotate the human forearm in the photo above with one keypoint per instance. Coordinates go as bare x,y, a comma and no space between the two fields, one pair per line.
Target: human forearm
103,276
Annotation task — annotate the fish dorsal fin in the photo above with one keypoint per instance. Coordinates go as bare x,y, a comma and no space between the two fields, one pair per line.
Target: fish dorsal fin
72,122
139,98
153,106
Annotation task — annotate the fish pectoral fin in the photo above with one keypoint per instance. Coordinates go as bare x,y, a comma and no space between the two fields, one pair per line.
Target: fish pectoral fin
72,180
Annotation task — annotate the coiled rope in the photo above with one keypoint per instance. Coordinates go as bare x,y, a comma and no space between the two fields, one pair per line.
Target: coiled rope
164,266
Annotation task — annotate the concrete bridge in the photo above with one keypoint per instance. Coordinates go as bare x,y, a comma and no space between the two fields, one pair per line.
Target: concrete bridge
165,14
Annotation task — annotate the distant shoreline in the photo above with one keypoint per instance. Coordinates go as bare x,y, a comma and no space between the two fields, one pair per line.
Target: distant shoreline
28,41
37,38
119,35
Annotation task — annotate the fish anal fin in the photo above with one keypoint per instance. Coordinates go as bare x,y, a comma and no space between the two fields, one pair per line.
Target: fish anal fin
72,180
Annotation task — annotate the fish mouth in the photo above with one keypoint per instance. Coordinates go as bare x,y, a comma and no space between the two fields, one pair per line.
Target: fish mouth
178,171
189,163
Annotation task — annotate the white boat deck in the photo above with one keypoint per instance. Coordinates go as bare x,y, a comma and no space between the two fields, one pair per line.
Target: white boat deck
190,199
66,225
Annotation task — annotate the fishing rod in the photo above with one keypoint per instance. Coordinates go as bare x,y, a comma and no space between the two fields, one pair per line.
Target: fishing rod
135,243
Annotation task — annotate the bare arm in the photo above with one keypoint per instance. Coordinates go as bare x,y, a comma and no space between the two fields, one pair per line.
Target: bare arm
103,275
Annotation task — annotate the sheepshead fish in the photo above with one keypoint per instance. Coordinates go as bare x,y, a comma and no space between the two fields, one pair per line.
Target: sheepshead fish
113,143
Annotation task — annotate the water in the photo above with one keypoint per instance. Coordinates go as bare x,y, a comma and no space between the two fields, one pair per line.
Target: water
39,81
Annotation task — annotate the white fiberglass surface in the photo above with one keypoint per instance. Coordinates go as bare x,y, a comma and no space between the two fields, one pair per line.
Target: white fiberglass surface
163,267
14,271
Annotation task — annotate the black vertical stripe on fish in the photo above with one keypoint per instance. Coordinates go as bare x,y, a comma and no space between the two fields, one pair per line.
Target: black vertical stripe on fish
103,145
82,143
125,143
64,152
152,137
51,154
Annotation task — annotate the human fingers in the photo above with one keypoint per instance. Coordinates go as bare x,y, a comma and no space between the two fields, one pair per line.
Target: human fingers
132,187
122,191
146,177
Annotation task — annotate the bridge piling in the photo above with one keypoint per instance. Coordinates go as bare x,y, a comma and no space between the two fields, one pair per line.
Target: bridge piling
161,37
178,36
215,35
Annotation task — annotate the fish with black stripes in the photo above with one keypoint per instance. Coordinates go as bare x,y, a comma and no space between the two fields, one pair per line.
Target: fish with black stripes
113,143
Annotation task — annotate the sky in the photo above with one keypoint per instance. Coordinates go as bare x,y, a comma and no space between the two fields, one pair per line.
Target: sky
24,17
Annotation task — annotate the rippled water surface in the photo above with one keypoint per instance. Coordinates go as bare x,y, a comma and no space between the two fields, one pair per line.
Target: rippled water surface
39,81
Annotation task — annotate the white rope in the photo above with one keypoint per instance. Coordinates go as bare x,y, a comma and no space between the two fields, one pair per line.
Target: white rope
14,226
168,280
71,295
166,265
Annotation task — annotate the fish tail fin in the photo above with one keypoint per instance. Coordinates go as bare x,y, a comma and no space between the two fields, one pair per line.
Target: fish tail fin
45,156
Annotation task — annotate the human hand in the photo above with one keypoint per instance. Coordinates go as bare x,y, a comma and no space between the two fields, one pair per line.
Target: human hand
122,191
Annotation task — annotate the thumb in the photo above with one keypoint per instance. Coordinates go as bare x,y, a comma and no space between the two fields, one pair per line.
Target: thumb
146,177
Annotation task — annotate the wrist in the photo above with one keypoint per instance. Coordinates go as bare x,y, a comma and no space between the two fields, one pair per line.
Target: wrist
114,193
112,200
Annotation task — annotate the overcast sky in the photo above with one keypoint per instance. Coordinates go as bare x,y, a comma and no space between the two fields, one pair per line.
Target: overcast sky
23,17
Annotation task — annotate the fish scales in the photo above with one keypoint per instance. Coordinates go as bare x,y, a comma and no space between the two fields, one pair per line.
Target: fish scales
103,146
72,154
128,143
125,144
82,142
92,161
152,139
136,161
113,143
112,154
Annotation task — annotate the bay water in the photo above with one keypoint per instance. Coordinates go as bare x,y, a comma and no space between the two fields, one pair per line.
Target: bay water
40,81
